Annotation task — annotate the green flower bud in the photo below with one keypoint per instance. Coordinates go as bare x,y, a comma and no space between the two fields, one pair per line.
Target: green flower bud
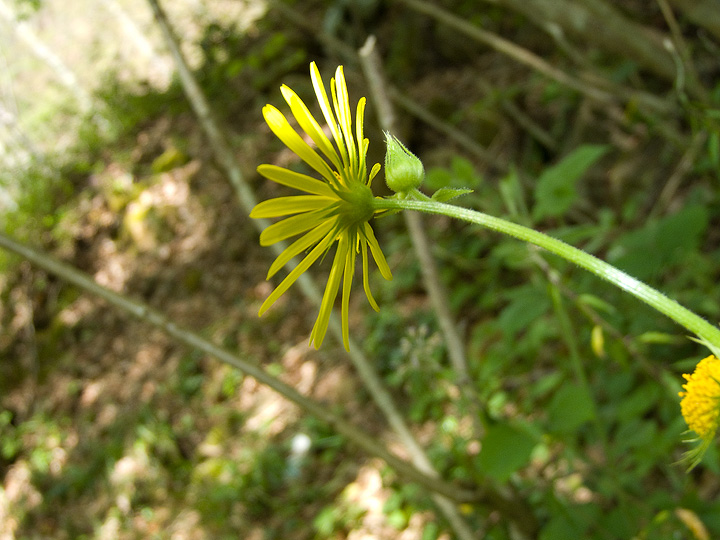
403,170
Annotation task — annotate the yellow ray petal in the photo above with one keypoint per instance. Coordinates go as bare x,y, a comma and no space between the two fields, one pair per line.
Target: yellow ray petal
359,120
296,272
291,226
376,251
284,206
347,285
341,140
373,172
336,272
309,125
361,141
365,273
300,245
327,110
295,180
284,131
342,109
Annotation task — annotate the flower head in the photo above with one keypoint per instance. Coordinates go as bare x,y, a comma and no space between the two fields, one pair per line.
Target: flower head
335,209
700,405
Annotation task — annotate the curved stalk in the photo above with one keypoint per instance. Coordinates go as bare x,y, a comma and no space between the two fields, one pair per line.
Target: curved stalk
681,315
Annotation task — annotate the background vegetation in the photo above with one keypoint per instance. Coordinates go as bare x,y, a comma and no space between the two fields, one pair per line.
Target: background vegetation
593,120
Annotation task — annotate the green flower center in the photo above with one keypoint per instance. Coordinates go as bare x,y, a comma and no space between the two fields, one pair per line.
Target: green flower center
356,205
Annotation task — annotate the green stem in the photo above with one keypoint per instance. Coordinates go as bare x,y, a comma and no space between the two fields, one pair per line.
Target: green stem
683,316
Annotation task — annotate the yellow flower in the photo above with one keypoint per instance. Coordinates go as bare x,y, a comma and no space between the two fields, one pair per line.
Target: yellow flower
700,403
334,209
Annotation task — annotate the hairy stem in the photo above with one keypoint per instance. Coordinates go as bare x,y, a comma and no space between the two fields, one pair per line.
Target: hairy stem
683,316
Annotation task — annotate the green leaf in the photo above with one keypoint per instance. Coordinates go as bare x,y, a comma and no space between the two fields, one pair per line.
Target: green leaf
437,177
570,408
447,194
504,450
431,531
597,303
512,194
570,523
527,304
560,527
639,402
660,337
555,190
634,434
460,173
647,252
168,160
464,171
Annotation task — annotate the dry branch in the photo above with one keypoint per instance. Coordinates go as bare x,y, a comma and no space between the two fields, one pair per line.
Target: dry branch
370,60
608,93
704,13
600,24
150,316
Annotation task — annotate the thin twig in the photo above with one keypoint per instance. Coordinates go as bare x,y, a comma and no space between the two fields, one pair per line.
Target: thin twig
681,170
148,315
704,13
200,105
536,63
528,124
440,125
299,20
679,48
371,64
509,48
372,69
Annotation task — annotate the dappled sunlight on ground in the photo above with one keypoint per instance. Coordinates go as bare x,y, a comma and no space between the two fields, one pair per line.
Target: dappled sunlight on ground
18,496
